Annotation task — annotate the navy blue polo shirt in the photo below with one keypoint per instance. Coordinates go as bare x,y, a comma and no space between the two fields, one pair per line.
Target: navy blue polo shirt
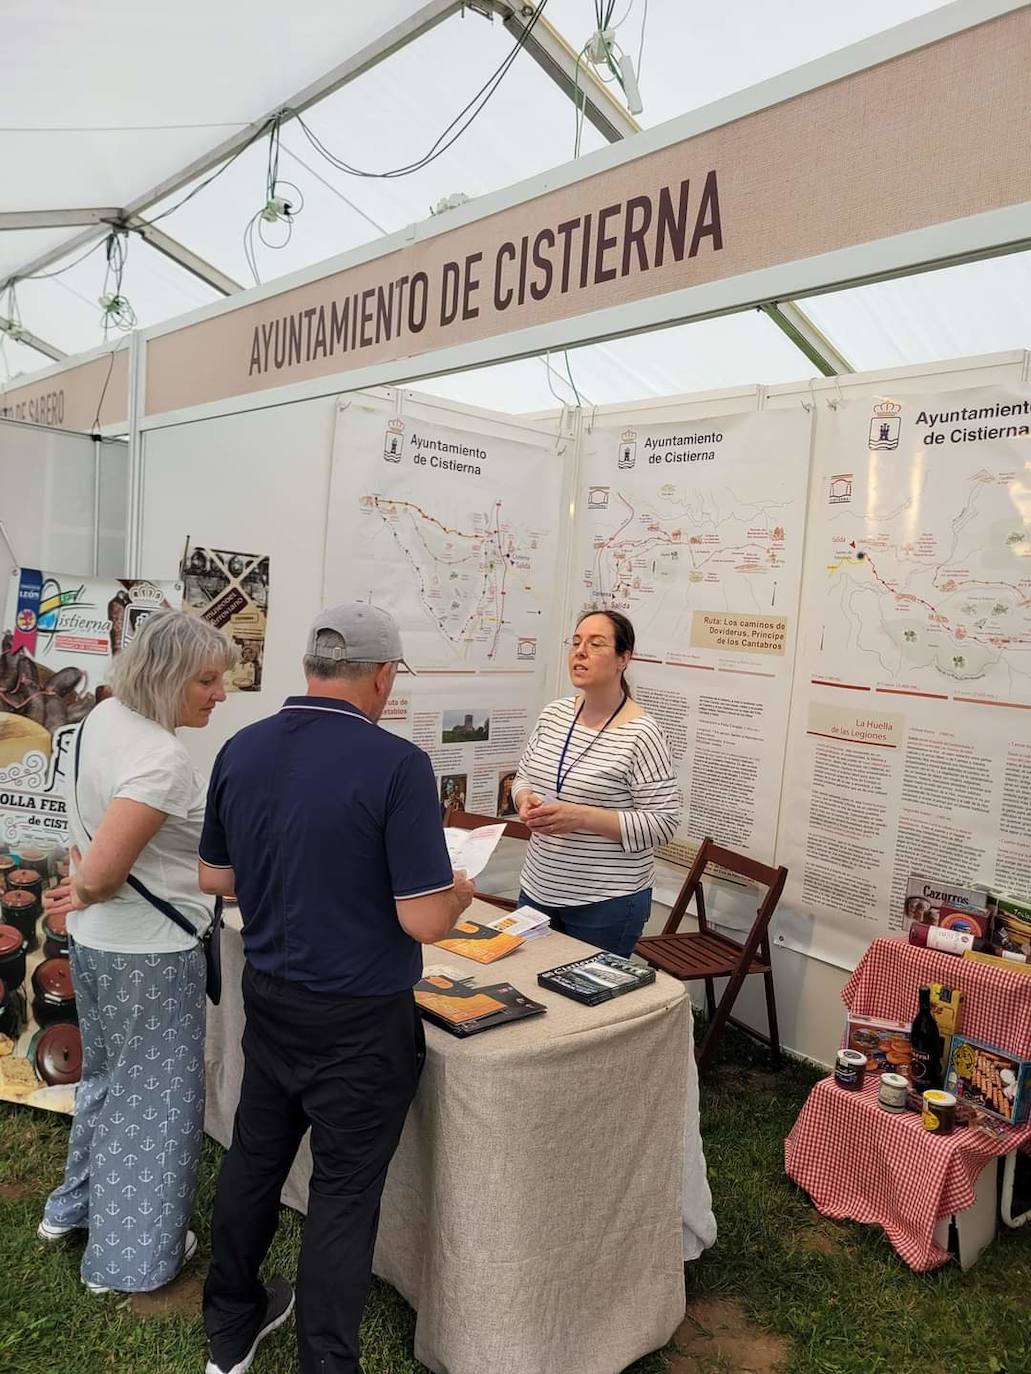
325,819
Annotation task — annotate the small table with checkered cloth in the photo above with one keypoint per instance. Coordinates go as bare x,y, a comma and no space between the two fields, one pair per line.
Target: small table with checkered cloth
860,1162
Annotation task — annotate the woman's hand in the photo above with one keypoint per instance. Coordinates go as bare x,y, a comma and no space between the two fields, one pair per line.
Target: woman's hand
60,900
526,802
553,817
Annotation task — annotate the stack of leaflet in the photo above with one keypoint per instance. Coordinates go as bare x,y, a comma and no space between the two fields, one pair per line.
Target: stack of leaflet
525,921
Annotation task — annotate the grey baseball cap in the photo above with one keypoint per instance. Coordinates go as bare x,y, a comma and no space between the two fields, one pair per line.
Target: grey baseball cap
369,634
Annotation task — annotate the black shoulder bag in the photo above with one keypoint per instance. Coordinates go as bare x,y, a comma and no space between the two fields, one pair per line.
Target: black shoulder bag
210,942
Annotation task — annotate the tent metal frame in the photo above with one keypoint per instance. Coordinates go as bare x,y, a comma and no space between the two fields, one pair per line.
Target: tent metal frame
545,45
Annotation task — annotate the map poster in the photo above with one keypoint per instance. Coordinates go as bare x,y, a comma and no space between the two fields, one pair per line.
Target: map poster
59,636
694,529
910,740
453,530
231,591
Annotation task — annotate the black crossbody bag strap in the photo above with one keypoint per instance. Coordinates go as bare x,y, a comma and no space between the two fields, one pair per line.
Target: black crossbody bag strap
208,941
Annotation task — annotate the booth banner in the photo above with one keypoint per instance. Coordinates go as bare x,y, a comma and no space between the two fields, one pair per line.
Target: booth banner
454,529
231,591
60,634
694,529
909,749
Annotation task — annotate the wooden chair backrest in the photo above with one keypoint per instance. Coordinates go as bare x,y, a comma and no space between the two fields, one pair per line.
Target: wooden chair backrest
469,820
712,855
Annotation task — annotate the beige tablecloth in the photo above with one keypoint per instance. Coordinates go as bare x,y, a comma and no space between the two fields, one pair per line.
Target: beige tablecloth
534,1212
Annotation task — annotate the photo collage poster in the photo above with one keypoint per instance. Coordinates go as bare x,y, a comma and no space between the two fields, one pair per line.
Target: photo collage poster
60,635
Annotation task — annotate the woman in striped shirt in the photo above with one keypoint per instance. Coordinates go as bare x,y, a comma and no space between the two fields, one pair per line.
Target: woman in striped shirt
596,786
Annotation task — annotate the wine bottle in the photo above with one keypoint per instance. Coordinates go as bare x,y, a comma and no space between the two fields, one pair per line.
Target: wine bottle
925,1070
946,941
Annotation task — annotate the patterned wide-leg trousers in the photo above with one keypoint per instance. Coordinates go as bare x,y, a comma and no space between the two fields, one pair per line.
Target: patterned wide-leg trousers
136,1136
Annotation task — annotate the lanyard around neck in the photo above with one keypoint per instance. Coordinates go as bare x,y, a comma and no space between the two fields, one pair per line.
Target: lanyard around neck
560,777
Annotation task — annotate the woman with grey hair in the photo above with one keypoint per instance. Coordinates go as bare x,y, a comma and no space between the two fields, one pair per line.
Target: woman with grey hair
135,807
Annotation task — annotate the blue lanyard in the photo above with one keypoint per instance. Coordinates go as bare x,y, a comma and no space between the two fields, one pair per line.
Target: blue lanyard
560,777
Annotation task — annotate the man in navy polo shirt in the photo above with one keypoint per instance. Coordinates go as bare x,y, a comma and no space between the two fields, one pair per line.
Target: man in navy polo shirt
327,829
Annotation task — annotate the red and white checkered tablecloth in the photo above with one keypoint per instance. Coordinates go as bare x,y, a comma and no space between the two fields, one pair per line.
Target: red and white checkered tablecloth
859,1162
996,1005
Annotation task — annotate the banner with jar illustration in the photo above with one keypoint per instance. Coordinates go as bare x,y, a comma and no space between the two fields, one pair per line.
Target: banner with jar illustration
59,636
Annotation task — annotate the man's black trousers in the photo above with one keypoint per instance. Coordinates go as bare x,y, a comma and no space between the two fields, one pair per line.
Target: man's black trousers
348,1068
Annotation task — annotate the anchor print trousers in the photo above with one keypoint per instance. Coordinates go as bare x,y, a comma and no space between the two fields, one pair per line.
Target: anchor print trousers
136,1136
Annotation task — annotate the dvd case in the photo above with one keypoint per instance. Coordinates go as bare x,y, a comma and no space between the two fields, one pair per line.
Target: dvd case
597,978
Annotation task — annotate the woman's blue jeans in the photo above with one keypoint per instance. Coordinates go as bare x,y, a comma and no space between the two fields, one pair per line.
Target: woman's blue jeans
614,924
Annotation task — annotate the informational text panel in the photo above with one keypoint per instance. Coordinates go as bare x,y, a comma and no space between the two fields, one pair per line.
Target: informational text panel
909,749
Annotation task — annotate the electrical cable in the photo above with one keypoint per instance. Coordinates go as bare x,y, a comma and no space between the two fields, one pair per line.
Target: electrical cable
640,50
117,312
259,133
95,426
569,374
446,139
278,207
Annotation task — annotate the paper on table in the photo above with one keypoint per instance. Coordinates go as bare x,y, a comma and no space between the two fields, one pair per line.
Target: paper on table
471,849
526,921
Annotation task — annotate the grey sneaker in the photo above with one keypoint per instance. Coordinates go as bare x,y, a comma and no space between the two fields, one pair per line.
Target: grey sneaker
279,1303
189,1250
51,1234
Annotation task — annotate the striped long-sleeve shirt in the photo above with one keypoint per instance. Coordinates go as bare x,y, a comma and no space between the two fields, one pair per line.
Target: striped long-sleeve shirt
627,768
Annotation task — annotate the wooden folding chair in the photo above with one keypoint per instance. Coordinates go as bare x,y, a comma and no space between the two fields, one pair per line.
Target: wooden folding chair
514,830
707,955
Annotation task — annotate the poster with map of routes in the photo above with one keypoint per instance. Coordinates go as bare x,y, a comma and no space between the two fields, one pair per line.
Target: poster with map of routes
694,529
909,749
451,523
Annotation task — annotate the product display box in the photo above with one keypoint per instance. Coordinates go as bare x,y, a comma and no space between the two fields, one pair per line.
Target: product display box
885,1043
947,1010
1012,932
983,1075
942,904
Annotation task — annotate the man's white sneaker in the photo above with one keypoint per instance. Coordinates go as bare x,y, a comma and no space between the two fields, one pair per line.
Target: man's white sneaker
189,1250
49,1233
279,1303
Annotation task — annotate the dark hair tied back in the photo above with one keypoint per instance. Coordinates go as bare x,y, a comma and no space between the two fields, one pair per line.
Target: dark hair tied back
622,633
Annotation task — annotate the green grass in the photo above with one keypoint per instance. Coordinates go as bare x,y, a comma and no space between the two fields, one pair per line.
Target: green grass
848,1307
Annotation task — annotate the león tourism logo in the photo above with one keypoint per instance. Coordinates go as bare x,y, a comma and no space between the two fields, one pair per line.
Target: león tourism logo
886,425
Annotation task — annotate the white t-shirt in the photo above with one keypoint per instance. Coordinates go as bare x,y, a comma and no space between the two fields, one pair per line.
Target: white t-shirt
124,754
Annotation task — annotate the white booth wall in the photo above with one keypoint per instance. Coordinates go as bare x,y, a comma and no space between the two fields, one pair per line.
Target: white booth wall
258,481
63,499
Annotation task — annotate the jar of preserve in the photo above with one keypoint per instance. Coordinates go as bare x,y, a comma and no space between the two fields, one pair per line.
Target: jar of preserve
38,860
13,949
8,1012
57,1054
55,935
7,865
20,907
26,880
53,994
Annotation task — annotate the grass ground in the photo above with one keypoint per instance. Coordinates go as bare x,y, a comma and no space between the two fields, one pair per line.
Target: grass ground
783,1290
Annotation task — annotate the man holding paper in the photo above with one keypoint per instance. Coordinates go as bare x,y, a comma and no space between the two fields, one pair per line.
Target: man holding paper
327,829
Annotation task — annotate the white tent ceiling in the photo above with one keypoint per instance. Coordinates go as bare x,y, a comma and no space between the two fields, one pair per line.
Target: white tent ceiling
98,104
